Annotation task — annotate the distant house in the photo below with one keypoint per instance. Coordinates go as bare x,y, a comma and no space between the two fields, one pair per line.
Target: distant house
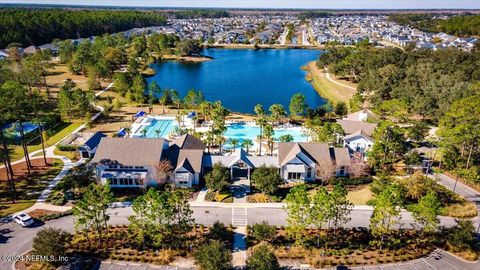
30,50
49,46
362,115
88,149
358,142
3,54
352,126
358,132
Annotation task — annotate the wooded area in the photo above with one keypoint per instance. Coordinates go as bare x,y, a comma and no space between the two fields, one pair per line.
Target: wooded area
40,26
424,82
462,25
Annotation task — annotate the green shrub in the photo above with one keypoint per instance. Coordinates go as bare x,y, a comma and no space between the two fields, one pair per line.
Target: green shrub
67,147
214,256
262,258
263,231
55,216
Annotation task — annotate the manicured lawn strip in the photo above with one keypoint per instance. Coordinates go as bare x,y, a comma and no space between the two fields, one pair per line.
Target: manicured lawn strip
72,155
7,208
63,130
325,88
361,196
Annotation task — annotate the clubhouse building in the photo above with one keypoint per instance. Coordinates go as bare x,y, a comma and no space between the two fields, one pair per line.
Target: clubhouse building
139,162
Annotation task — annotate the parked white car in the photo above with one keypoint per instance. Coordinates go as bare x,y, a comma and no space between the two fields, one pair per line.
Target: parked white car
23,219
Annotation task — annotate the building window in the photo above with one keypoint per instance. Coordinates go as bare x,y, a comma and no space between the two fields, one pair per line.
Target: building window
294,175
309,172
342,170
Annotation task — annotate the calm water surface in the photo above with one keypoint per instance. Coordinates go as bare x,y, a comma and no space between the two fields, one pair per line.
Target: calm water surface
242,78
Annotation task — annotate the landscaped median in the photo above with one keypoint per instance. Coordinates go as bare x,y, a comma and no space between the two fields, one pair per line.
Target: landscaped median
357,246
120,243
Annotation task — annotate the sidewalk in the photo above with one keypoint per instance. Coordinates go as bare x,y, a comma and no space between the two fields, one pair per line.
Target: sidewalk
240,247
201,195
67,165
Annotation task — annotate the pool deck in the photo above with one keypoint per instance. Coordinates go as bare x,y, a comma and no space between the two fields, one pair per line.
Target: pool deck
244,128
144,122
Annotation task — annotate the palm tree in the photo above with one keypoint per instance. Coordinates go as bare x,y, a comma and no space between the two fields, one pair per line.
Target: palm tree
220,140
268,134
157,132
165,99
247,143
205,108
277,111
176,99
286,138
194,119
234,143
144,133
258,109
261,122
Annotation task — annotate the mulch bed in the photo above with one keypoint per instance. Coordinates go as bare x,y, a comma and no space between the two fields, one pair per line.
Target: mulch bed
20,169
38,213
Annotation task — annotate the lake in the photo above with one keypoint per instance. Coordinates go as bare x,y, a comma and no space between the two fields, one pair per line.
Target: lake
242,78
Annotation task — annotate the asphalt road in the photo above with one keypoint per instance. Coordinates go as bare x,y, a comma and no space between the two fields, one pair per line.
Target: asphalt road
15,240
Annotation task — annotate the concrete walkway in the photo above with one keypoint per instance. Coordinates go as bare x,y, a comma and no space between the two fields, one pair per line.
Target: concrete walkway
67,165
338,83
240,247
201,195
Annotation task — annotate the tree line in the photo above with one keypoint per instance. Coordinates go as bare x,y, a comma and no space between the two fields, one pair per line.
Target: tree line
40,26
421,82
461,25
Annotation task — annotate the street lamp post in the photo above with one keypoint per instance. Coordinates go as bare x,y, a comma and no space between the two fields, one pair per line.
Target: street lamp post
455,185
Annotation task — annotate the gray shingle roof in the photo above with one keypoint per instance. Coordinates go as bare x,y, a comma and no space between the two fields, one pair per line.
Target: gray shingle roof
187,141
130,151
318,152
350,126
342,156
191,157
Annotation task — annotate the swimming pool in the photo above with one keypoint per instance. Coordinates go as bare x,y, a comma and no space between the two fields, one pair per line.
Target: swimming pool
164,127
243,131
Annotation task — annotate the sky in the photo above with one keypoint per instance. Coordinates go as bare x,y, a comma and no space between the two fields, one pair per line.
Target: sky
304,4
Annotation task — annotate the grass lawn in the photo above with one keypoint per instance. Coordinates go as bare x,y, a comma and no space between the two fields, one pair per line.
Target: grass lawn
61,131
325,88
59,74
72,155
7,208
28,188
360,196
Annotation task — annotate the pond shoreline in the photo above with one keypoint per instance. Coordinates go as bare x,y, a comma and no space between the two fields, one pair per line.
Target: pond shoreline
242,78
264,46
333,93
